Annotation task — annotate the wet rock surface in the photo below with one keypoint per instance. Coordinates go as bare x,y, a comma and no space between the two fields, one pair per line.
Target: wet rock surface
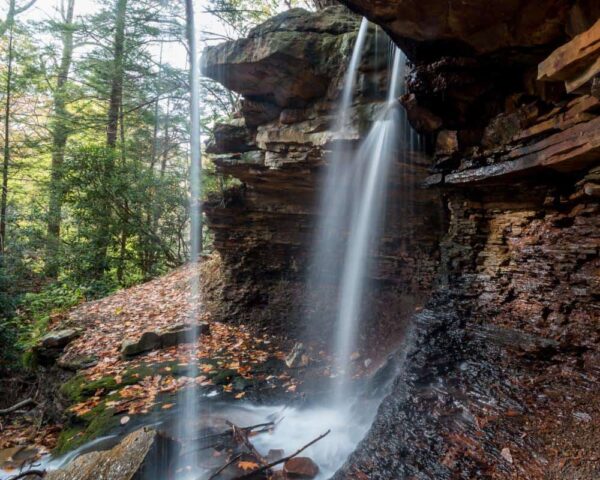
142,454
301,467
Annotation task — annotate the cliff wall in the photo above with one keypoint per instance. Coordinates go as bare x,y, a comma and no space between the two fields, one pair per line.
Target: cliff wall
495,231
278,147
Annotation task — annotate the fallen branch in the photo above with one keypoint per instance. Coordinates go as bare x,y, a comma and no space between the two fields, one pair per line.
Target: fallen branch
242,435
37,473
283,460
218,472
16,407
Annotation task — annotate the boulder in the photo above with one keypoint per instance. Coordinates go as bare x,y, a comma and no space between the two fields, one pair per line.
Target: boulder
287,61
174,335
142,454
51,345
181,333
147,342
301,467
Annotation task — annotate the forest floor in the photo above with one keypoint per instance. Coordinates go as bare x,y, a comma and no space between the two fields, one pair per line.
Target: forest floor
235,362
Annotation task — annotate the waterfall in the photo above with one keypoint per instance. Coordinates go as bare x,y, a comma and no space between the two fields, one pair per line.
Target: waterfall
187,421
371,169
352,208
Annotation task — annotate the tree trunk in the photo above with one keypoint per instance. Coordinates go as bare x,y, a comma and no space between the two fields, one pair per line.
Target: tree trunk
112,132
60,133
118,72
6,160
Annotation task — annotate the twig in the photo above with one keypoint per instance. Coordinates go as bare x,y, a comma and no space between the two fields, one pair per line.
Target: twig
22,404
283,460
243,436
38,473
216,474
230,432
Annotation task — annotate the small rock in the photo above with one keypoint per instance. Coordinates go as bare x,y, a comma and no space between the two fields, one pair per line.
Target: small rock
582,416
16,457
181,333
506,455
77,362
275,455
301,467
294,359
368,362
355,356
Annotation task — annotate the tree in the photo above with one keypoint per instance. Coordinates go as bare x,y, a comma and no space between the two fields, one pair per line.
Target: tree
8,25
60,132
117,73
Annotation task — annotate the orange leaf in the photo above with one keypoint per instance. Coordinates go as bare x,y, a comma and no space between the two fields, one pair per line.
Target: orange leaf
248,465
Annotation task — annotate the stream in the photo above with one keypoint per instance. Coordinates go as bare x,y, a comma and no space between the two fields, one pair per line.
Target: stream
294,428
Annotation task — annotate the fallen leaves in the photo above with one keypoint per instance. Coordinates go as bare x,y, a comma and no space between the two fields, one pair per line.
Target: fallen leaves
243,465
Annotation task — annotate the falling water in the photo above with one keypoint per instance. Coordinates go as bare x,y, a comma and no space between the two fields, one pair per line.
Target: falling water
335,198
187,421
371,168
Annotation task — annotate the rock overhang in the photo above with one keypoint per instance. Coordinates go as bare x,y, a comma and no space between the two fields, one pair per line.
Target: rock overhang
287,61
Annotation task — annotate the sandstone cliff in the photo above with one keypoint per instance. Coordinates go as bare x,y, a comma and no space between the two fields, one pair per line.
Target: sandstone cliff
502,377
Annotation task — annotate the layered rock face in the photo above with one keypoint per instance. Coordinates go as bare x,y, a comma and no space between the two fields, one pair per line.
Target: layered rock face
502,373
502,376
290,71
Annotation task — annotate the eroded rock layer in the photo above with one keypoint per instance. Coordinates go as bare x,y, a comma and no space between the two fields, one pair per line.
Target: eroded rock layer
501,379
278,148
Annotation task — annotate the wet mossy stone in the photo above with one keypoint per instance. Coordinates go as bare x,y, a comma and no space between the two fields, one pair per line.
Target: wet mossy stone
82,429
142,454
79,388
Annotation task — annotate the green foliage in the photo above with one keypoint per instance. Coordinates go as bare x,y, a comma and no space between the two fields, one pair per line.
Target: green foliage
123,211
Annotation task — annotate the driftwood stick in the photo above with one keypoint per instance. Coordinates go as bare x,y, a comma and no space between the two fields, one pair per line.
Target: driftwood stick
16,407
230,432
283,460
218,472
38,473
243,436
